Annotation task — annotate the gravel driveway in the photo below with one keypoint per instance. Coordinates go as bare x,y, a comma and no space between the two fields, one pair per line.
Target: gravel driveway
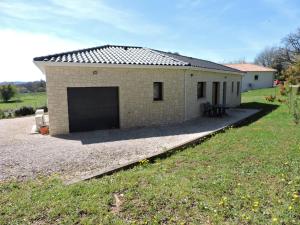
23,155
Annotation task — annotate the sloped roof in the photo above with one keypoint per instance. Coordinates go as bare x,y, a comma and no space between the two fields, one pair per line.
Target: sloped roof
200,62
131,55
248,67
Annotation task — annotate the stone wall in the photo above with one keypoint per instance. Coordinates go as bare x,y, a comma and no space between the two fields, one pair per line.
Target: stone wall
193,104
136,104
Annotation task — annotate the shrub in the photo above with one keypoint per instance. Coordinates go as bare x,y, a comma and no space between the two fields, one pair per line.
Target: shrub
295,102
282,100
2,114
25,110
282,90
296,111
8,114
270,98
7,92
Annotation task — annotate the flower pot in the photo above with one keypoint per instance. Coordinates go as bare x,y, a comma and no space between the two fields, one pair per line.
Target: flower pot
44,130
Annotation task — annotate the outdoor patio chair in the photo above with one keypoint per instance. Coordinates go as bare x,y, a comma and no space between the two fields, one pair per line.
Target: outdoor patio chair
207,109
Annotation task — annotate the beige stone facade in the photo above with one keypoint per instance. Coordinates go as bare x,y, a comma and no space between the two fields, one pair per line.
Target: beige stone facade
193,104
136,105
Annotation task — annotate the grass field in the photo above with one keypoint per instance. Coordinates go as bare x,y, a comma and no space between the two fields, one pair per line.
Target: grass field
34,100
246,175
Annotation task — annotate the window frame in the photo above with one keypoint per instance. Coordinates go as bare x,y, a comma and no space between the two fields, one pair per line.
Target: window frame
201,85
160,91
232,86
238,87
256,76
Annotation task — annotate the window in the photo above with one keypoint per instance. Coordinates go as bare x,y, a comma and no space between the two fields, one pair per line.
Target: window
157,91
256,77
232,87
201,89
238,88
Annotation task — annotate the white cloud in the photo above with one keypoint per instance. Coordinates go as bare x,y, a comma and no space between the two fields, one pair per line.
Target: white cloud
122,19
23,10
73,11
18,49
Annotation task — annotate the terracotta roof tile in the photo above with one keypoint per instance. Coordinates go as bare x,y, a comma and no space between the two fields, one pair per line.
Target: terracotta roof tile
247,67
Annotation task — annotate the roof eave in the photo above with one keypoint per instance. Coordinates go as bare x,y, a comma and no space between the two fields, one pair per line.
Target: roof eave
258,71
40,65
43,64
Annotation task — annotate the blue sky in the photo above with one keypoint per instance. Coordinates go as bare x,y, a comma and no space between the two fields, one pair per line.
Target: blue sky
217,30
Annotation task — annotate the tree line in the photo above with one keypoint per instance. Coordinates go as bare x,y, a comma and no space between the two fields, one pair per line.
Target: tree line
34,86
281,57
8,90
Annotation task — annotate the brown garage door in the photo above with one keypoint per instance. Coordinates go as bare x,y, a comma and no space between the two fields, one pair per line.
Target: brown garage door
93,108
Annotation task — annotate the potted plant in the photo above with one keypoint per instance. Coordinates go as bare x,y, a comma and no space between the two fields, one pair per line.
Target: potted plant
44,130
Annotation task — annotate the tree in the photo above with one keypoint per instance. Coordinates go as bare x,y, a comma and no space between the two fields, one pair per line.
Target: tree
292,46
273,57
292,73
34,86
267,57
7,92
280,58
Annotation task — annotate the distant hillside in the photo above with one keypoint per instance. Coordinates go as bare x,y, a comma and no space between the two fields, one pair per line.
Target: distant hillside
28,87
13,82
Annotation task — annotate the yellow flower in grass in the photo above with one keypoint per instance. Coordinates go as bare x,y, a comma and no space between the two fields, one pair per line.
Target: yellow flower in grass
246,217
256,204
223,201
295,195
290,207
274,219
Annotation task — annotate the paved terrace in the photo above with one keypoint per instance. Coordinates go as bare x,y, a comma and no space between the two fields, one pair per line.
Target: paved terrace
80,156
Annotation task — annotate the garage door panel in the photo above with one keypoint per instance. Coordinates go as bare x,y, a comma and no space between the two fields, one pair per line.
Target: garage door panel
93,108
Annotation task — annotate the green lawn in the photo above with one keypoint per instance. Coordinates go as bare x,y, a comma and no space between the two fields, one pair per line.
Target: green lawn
246,175
34,100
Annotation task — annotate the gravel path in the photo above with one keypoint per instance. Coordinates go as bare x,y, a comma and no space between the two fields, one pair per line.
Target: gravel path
23,155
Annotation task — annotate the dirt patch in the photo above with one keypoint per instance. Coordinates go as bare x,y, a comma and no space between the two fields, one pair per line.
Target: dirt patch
119,200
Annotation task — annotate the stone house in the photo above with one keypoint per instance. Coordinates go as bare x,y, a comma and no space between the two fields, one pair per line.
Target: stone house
122,86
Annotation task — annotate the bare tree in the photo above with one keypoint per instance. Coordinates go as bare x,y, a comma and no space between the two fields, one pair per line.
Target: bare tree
292,45
267,57
273,57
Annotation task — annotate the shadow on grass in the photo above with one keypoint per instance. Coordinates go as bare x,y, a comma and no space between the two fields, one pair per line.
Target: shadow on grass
264,108
11,101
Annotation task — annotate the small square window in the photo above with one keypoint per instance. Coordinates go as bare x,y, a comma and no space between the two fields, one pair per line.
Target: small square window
201,89
256,77
157,91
